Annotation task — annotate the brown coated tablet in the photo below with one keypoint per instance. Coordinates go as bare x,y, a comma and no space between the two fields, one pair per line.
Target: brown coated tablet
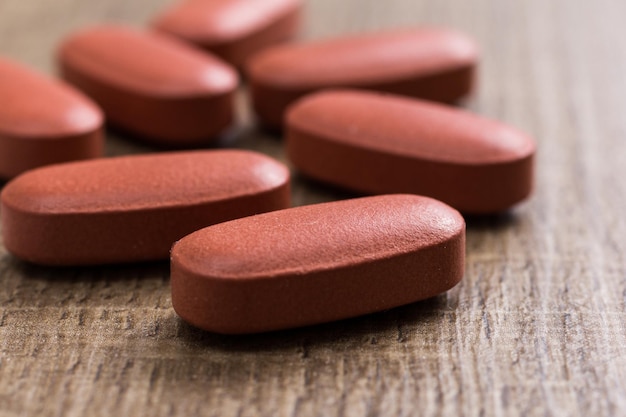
43,121
433,64
231,29
132,208
151,85
315,264
377,144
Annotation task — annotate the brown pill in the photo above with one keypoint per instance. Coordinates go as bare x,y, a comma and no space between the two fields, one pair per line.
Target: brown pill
232,29
315,264
377,144
132,208
433,64
43,121
151,85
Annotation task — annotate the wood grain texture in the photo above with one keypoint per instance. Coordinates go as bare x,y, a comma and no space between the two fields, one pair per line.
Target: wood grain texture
537,327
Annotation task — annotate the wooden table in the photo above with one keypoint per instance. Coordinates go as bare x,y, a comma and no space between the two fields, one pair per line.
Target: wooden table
536,328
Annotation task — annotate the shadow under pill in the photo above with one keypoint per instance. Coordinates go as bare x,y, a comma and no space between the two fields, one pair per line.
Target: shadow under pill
118,144
122,142
310,191
255,140
67,274
496,221
381,326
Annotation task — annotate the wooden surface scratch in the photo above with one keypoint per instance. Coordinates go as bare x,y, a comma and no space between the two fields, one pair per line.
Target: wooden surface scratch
536,328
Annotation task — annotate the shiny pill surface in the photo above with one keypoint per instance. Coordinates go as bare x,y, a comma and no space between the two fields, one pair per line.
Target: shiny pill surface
151,85
231,29
317,263
43,121
430,63
375,144
133,208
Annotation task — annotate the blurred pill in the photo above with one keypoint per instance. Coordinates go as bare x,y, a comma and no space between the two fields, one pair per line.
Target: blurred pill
132,208
375,143
432,64
43,121
150,84
231,29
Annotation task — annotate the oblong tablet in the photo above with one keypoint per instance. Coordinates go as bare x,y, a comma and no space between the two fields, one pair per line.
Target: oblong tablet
231,29
433,64
132,208
377,144
151,85
43,121
318,263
